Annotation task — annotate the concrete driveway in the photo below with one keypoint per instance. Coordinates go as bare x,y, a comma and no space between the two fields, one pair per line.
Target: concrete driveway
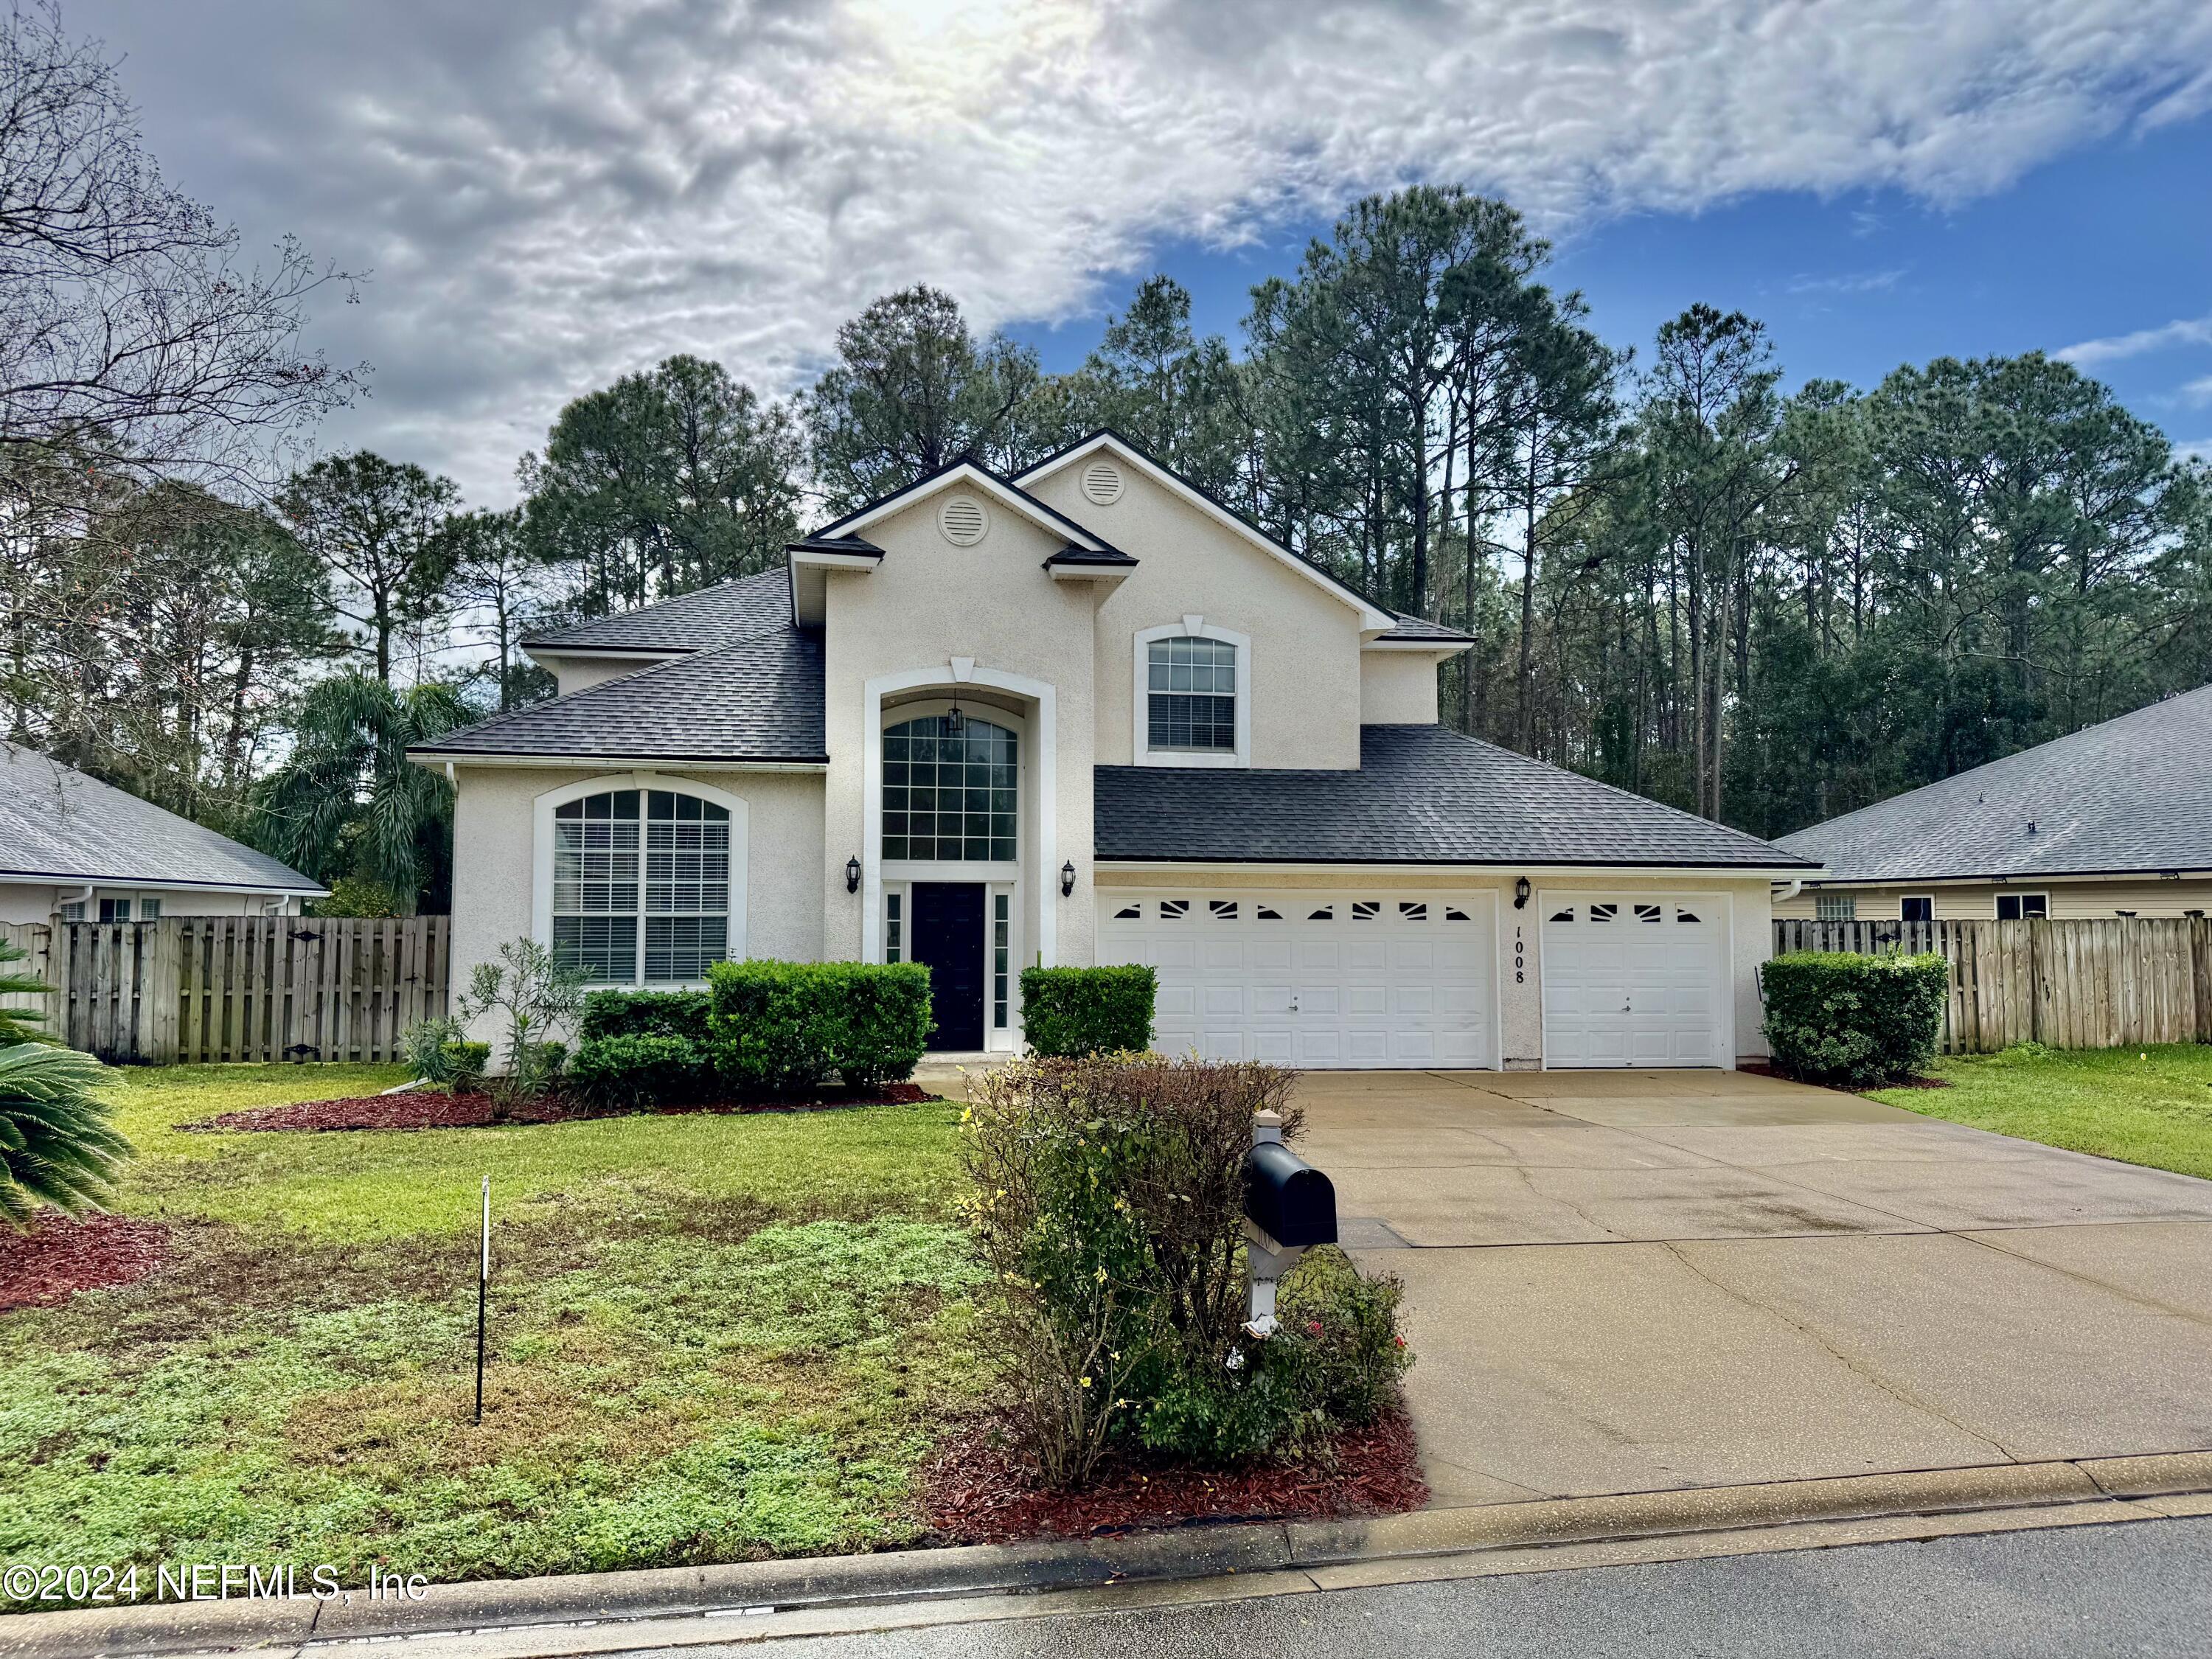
1632,1281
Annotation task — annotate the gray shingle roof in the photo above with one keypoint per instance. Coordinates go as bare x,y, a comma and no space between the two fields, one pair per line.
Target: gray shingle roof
58,823
759,699
2134,793
1419,628
691,622
1422,795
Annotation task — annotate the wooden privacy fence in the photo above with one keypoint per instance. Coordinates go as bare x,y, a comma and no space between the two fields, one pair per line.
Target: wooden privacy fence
2103,983
204,989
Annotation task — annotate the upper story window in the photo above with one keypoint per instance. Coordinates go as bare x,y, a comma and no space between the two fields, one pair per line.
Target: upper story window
642,885
1193,695
1191,685
951,795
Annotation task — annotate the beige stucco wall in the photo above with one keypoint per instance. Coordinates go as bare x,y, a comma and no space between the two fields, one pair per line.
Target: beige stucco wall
1977,900
1520,1003
1397,688
573,674
1305,640
928,603
494,831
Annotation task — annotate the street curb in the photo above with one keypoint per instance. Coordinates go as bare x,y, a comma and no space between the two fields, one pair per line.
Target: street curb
1188,1553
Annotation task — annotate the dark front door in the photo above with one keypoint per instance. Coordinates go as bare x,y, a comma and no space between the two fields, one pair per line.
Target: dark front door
947,930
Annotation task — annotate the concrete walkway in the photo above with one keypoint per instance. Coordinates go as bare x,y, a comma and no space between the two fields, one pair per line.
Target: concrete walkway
1634,1282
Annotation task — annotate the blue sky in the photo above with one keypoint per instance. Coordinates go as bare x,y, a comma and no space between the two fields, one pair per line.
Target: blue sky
551,195
2110,239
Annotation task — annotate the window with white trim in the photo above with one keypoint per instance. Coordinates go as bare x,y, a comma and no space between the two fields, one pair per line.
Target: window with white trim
1835,907
893,927
115,909
1002,922
951,793
2023,907
1191,695
642,885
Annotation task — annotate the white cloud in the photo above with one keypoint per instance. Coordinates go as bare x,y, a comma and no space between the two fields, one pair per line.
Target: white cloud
2198,391
1860,282
553,193
2182,331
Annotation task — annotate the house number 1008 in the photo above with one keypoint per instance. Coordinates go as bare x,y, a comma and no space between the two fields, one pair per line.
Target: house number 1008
1520,961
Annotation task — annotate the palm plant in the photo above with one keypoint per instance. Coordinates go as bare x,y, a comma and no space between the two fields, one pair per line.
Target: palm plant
57,1146
349,802
19,1024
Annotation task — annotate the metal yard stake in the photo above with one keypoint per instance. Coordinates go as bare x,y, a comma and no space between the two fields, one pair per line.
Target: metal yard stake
484,1289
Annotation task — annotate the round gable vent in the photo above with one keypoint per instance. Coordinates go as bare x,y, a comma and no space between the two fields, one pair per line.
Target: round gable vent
1102,482
962,520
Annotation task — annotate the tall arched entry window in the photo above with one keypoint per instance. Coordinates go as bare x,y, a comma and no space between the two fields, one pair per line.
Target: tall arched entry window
640,886
950,790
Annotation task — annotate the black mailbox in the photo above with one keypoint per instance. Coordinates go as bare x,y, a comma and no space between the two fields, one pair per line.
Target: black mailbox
1286,1198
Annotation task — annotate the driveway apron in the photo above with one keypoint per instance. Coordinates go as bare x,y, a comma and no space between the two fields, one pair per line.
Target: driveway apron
1623,1282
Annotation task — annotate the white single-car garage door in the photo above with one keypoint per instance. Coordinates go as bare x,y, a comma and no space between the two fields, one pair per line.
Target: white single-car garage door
1317,980
1635,979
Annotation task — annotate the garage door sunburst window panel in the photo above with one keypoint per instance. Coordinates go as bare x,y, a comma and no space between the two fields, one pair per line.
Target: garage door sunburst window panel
1191,684
949,798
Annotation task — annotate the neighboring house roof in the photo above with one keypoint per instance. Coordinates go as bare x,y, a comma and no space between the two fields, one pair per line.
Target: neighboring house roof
2132,794
58,824
757,699
1421,795
732,610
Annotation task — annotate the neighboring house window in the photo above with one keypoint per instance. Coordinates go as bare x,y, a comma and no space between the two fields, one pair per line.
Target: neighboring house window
73,911
2023,907
668,912
1193,701
1191,695
1835,907
150,909
115,909
1917,909
949,798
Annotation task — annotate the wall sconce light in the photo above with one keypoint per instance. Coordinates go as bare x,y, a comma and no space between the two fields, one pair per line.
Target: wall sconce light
1067,878
1521,894
852,875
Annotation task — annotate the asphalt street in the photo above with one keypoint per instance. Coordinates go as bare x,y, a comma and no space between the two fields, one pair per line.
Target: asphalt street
2135,1589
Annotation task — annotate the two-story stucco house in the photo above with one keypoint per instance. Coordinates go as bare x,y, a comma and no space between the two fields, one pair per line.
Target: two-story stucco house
1089,714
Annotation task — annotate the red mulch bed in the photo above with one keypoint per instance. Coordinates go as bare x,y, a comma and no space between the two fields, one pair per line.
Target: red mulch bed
977,1491
60,1256
428,1109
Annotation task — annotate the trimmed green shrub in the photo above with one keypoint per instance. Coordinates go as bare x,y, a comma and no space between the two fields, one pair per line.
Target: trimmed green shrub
634,1071
646,1013
58,1142
783,1027
1074,1011
1854,1020
438,1051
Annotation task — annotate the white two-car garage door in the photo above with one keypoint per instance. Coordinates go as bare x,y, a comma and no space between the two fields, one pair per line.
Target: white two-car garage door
1635,979
1317,980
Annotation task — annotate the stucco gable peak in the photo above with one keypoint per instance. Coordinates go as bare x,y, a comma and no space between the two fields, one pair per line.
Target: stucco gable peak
967,472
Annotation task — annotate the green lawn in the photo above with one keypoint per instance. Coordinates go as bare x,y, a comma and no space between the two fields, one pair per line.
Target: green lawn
2149,1106
712,1338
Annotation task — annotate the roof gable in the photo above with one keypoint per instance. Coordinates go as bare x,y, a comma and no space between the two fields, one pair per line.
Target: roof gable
984,482
1372,618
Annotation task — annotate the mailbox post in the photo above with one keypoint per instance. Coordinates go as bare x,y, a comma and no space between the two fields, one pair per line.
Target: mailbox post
1289,1207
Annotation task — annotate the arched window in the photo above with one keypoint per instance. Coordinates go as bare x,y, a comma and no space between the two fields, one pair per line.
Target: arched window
628,919
950,794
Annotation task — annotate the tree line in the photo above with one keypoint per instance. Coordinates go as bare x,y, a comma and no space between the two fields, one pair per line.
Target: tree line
1764,607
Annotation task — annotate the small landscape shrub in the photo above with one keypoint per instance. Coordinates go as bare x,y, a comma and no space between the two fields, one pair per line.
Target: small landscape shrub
1108,1198
438,1051
538,993
783,1027
631,1071
1075,1012
59,1143
1854,1020
646,1013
